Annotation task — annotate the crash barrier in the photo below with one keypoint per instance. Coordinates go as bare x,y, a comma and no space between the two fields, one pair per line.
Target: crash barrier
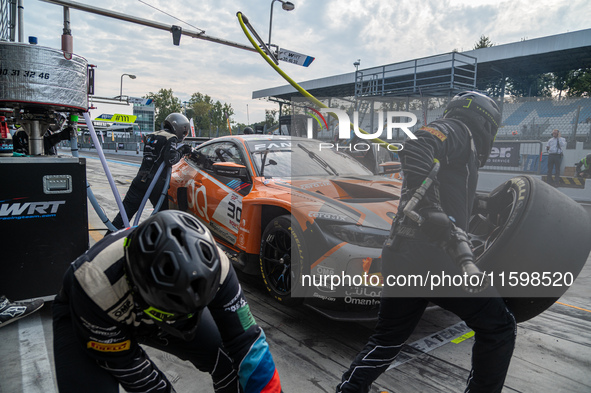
131,143
567,181
134,143
517,156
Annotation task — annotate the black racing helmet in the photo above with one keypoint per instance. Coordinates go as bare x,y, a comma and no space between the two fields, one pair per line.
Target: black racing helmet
482,116
173,265
178,124
247,130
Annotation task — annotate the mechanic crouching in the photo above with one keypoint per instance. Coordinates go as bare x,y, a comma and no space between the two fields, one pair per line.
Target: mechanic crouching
460,143
164,284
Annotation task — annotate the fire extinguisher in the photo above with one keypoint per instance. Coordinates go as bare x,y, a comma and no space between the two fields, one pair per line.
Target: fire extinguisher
5,139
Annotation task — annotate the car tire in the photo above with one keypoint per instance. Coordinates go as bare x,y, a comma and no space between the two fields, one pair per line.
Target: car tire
281,266
533,228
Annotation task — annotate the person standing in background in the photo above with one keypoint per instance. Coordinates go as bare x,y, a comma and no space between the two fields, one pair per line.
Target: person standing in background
555,148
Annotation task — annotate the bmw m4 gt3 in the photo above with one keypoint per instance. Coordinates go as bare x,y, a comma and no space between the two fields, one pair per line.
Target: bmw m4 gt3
310,220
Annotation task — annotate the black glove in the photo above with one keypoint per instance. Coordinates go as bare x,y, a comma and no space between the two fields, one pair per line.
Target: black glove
65,134
184,150
436,225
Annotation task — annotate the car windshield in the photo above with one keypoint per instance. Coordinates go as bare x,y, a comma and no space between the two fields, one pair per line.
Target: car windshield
300,158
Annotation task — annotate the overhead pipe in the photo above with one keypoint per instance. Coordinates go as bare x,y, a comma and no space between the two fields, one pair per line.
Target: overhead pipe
67,39
21,25
145,22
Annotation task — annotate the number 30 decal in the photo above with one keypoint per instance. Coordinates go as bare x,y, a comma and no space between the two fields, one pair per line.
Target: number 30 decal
234,212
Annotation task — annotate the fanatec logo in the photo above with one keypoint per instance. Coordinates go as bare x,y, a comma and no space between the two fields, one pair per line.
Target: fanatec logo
345,123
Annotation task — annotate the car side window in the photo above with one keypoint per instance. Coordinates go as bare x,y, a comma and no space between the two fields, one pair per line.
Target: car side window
208,155
201,158
228,152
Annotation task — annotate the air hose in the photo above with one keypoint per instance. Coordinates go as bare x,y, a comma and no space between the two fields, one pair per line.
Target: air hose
93,200
164,193
89,193
106,168
149,191
243,21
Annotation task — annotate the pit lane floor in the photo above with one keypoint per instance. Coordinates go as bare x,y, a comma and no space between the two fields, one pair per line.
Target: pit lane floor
553,351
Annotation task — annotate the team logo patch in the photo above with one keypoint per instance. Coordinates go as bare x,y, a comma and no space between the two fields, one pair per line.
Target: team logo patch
117,347
435,132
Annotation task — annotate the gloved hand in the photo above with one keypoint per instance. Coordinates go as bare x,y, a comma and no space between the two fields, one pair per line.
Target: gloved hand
65,134
184,150
436,225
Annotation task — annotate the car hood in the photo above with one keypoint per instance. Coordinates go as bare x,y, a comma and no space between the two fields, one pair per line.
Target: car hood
370,201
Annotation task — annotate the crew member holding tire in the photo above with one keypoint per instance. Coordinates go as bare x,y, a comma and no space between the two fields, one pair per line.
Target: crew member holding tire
461,142
160,146
164,284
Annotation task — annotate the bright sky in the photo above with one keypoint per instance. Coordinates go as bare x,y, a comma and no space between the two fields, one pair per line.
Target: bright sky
335,32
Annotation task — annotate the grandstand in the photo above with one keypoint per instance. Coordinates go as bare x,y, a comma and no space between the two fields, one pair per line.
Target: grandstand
536,118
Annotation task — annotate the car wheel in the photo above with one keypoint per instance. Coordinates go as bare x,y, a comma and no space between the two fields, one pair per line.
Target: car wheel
533,228
281,258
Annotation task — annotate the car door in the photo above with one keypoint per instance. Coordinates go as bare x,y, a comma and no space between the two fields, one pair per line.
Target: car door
218,194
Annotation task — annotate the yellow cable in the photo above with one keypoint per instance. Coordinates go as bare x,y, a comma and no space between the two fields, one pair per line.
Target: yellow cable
300,89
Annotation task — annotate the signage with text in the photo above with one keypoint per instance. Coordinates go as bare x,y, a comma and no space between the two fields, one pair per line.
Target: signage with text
295,58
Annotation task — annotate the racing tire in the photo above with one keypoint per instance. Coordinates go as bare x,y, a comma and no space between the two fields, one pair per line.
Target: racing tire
533,229
282,255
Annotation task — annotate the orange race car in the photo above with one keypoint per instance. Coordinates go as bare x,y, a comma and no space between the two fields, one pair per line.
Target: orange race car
310,220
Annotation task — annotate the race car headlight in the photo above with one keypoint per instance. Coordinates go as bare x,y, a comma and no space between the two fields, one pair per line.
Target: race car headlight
359,235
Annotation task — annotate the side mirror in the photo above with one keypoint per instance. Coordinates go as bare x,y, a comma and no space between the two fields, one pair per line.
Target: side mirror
229,169
389,167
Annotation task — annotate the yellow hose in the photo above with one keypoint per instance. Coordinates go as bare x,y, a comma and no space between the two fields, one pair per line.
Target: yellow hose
300,89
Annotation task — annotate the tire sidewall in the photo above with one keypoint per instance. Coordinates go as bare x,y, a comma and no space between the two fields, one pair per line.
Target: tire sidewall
546,231
298,257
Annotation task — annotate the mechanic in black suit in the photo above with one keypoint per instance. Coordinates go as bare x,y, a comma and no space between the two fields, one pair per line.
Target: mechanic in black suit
461,142
160,146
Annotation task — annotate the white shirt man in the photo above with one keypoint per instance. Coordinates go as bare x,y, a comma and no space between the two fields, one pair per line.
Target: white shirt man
555,148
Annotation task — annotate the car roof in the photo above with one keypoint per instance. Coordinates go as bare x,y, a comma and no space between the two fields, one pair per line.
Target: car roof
258,137
250,137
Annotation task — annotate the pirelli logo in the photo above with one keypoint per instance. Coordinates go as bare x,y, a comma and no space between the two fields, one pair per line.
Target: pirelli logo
435,132
117,347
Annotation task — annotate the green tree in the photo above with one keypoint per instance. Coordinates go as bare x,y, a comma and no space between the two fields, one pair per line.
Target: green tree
209,115
492,86
561,82
270,117
483,42
537,85
578,83
165,103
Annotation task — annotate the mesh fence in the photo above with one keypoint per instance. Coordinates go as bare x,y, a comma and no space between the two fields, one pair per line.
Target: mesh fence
5,22
522,118
527,125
